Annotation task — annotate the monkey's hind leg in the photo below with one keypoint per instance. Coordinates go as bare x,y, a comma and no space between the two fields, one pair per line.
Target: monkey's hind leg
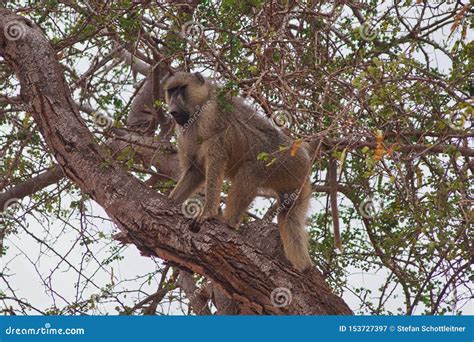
214,181
242,192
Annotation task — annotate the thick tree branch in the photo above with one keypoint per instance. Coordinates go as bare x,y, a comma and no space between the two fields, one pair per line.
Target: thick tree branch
198,296
232,259
135,63
31,186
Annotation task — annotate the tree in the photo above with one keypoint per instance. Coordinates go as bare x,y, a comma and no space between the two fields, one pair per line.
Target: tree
390,130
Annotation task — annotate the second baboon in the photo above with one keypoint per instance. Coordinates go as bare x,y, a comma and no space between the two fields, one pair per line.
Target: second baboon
219,136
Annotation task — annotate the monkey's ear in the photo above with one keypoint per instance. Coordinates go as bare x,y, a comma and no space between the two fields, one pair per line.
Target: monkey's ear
199,77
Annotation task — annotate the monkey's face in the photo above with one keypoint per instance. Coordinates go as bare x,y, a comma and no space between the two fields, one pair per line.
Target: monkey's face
185,93
177,105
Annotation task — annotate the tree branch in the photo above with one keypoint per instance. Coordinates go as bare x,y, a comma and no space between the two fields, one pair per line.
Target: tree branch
198,296
32,185
332,180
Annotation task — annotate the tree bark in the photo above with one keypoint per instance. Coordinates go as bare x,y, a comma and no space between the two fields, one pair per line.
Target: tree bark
246,264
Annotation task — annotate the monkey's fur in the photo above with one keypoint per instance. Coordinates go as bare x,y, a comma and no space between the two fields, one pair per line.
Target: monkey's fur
224,141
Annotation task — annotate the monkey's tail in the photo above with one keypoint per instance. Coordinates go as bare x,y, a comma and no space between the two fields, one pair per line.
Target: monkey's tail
291,222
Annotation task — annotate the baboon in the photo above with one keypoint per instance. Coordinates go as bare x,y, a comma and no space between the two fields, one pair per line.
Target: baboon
219,136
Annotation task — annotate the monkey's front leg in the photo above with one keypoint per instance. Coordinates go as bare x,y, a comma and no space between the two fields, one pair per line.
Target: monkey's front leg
189,182
214,179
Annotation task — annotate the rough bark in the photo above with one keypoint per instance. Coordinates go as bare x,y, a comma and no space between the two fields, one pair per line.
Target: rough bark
245,264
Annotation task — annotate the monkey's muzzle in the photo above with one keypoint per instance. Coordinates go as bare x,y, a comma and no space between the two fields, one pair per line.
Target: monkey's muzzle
181,118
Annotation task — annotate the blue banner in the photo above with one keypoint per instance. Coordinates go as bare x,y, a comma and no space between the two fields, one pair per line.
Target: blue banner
239,328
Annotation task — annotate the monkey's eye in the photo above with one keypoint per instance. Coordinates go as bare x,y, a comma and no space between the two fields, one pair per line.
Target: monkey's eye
180,90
